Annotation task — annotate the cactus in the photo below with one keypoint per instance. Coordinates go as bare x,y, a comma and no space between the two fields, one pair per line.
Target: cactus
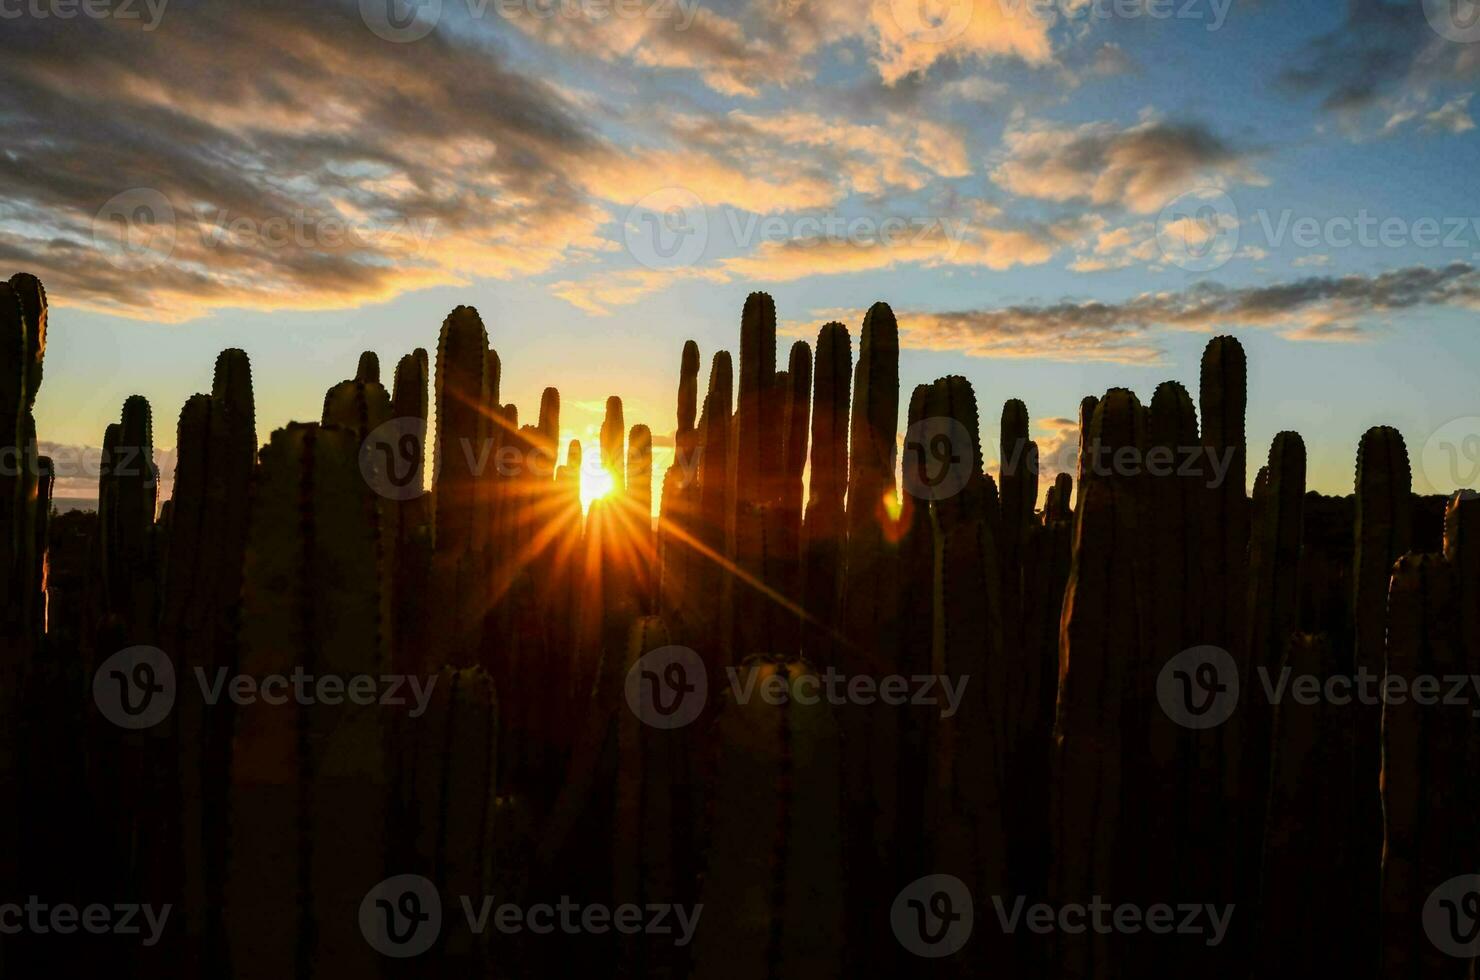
1303,903
823,528
216,448
678,520
773,887
463,388
1274,600
368,370
449,783
127,501
309,792
1382,535
654,825
1428,827
1099,647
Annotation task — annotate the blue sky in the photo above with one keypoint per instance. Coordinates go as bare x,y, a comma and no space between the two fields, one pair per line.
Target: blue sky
1062,198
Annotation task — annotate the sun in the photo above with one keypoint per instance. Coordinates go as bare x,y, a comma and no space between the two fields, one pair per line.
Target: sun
596,483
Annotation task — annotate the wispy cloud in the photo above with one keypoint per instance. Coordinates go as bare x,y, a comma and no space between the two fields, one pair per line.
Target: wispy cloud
1328,308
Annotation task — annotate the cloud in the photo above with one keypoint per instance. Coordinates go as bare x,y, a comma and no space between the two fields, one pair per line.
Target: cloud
304,161
1321,308
1385,59
1452,117
1139,168
862,245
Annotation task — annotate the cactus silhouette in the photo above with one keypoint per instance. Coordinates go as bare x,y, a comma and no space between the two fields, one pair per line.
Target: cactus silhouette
785,558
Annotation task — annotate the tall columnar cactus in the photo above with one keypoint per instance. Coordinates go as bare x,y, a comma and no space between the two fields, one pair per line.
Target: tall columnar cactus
869,644
1274,602
368,370
758,474
969,770
1304,925
638,512
714,508
460,520
1019,479
784,531
1085,461
1099,647
461,394
127,502
449,789
869,583
773,886
1382,535
823,530
309,792
613,438
1462,550
216,449
23,321
1223,392
679,505
654,854
1429,830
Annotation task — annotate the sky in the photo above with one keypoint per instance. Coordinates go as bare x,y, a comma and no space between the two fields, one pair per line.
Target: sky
1055,197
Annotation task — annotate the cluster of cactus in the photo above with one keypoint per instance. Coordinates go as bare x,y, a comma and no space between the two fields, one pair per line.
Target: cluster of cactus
784,547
